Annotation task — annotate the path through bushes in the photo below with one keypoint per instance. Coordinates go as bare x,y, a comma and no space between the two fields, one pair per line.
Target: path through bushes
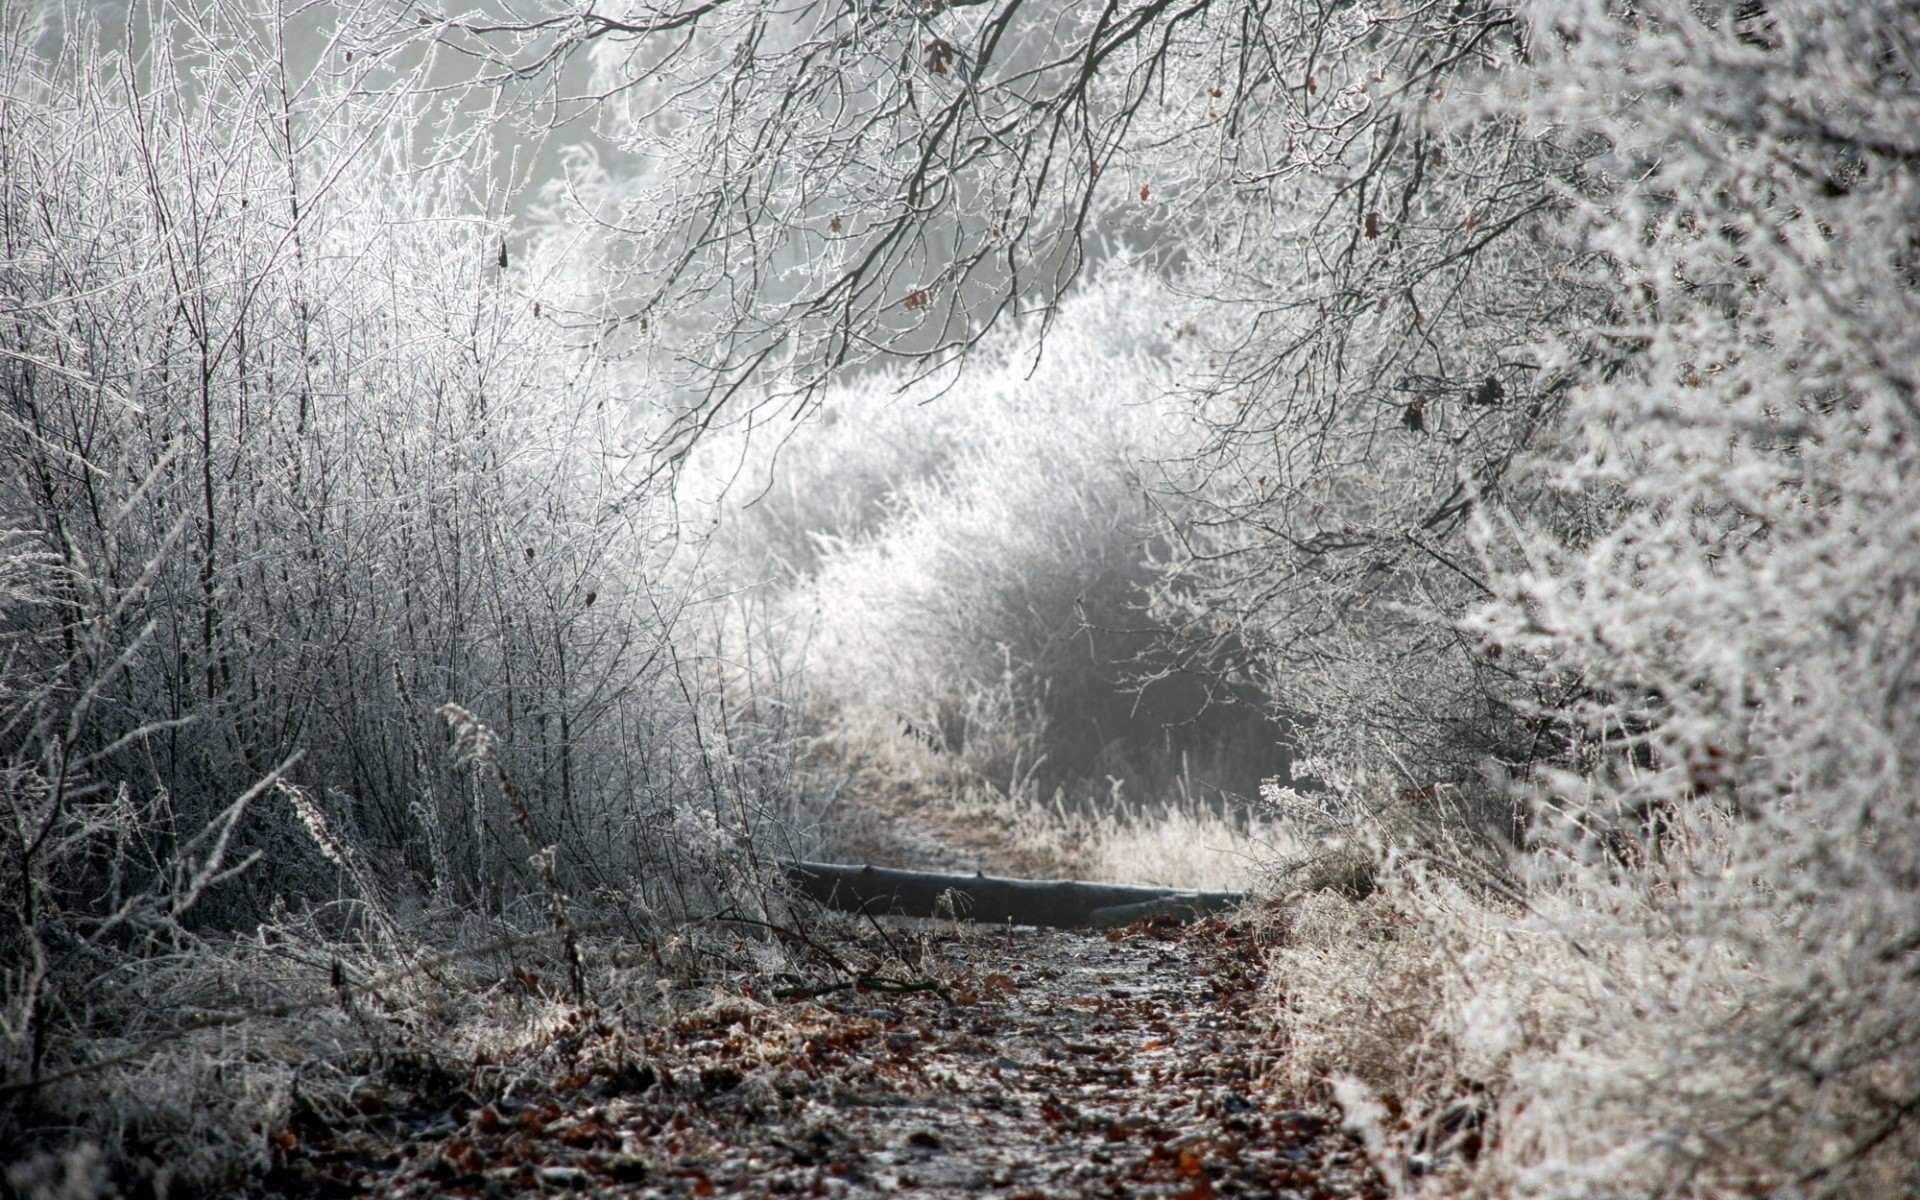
1026,1064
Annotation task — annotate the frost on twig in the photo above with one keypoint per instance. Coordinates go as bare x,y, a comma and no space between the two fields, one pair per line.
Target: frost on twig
474,744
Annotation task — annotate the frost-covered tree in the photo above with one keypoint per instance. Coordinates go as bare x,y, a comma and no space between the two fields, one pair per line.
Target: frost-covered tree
780,193
1735,849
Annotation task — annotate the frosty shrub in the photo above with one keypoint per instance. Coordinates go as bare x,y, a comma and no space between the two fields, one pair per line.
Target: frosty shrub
1707,978
1740,827
287,460
1382,254
965,565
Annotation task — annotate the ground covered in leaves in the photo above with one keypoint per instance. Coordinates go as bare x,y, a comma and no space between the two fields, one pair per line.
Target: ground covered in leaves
1020,1063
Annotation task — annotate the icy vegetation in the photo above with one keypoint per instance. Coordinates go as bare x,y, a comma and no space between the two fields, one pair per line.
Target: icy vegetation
478,486
1696,971
1731,853
957,573
288,464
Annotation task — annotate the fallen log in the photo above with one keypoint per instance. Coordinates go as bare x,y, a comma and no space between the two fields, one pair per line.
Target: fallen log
1054,903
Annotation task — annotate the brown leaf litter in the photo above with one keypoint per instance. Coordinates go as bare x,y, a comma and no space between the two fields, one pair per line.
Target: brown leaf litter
1047,1064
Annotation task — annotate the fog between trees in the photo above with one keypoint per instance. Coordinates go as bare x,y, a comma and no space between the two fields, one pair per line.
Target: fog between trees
1475,439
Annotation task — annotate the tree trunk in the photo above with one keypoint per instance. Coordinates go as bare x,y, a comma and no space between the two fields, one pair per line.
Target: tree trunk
1056,903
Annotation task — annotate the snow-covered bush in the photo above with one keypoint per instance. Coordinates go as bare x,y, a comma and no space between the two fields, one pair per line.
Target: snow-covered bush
966,564
286,462
1703,975
1699,971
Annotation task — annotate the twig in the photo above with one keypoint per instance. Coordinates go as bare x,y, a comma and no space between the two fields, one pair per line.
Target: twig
475,741
869,983
833,960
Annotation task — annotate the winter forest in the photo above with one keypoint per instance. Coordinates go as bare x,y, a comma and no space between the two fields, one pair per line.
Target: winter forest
485,485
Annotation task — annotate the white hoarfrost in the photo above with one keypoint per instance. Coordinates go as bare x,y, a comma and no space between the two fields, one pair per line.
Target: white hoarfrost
1727,875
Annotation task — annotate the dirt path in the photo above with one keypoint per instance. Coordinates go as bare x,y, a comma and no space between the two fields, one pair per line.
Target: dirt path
1054,1064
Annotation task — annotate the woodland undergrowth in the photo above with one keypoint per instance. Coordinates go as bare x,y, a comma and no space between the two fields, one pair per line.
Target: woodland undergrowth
292,459
1490,526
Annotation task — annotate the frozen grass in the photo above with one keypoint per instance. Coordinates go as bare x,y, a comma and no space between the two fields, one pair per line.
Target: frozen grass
1581,1045
218,1053
938,821
1182,844
1186,848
